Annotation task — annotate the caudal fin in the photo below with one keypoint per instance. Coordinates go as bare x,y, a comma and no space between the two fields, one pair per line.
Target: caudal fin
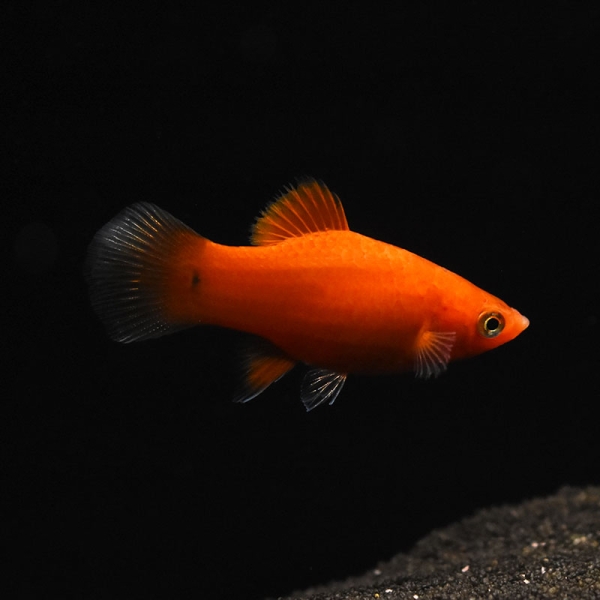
142,273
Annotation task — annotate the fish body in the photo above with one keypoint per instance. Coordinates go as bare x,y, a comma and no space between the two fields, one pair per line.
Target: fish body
309,289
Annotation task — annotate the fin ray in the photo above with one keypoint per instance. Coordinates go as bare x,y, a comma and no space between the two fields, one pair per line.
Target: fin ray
434,352
263,365
307,208
127,269
321,385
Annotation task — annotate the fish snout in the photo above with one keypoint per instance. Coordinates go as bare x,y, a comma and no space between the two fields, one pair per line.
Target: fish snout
524,322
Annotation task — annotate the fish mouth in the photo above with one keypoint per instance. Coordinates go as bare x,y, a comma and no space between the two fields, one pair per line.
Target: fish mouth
524,322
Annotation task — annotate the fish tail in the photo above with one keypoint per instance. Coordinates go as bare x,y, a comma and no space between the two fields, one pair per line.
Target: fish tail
143,273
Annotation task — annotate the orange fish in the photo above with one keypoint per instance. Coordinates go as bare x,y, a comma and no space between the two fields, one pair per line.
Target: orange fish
311,290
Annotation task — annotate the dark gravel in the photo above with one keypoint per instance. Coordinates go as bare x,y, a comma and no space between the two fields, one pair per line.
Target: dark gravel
543,548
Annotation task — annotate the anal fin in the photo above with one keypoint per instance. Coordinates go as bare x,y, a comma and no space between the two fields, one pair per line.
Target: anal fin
263,365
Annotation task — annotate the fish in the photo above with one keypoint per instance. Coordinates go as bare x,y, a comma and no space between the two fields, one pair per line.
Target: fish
308,290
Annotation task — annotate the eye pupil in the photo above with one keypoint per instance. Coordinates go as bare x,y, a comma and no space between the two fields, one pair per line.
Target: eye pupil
490,324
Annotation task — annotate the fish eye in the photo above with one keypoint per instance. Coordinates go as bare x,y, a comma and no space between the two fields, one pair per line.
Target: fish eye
490,324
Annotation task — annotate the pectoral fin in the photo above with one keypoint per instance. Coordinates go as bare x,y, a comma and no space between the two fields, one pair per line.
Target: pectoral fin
434,349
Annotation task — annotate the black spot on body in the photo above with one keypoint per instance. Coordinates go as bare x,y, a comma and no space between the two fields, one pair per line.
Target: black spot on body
195,279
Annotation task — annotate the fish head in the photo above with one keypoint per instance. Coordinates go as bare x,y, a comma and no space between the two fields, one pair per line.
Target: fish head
487,324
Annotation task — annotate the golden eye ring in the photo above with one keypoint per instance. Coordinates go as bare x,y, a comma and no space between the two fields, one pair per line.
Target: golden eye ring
490,324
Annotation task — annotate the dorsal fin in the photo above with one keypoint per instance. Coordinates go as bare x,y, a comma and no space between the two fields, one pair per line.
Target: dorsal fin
307,208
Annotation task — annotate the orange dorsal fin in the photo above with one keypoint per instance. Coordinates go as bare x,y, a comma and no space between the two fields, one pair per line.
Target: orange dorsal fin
307,208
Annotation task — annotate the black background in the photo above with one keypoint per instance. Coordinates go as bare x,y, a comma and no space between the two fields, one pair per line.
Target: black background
468,134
